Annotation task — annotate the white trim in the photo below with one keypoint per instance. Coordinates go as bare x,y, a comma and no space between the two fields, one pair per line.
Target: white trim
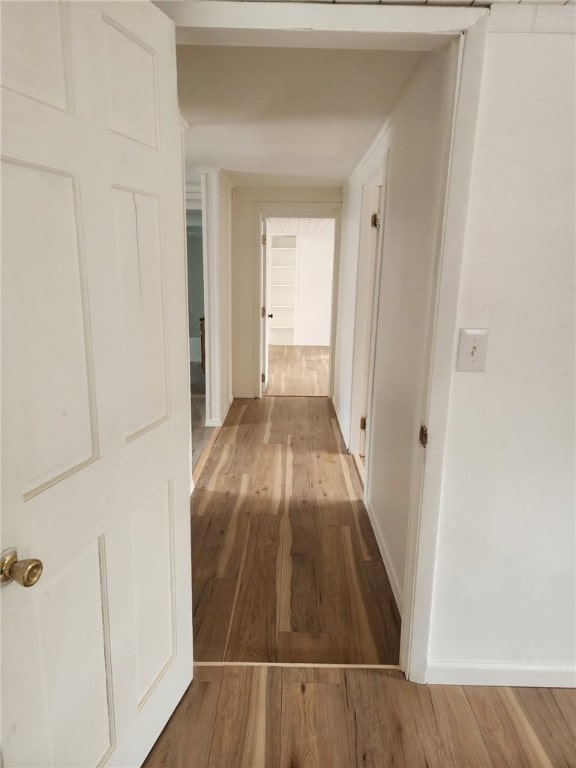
390,570
372,187
450,672
299,24
213,422
424,522
373,341
212,291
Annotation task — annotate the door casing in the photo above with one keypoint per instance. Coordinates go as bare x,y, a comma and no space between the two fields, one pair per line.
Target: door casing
400,28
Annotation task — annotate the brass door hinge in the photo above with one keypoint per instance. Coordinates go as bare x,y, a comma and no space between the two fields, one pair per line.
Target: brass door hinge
363,422
375,220
263,311
423,436
263,378
263,239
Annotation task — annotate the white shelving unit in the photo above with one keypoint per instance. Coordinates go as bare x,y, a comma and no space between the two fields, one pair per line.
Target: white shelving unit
283,266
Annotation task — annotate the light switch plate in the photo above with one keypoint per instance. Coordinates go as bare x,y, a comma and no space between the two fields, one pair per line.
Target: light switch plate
472,350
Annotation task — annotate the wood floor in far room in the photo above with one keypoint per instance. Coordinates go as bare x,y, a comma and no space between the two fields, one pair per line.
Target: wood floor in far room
298,370
284,560
259,717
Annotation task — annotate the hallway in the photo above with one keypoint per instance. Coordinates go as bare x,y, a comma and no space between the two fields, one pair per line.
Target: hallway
285,564
298,370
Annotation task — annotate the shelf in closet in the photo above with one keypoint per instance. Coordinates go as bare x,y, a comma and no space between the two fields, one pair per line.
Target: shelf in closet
283,274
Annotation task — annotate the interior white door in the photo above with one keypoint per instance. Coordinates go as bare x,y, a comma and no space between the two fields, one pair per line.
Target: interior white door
95,407
369,253
265,290
372,198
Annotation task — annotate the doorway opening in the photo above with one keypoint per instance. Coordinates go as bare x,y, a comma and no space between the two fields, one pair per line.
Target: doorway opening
196,329
298,268
428,226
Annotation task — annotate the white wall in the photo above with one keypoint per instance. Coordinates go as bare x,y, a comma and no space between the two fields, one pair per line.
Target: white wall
225,229
247,202
314,290
417,143
217,197
350,237
504,596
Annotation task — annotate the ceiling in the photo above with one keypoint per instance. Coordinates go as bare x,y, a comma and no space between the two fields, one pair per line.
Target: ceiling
286,114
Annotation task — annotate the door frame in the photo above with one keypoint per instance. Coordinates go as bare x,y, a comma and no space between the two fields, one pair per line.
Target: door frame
288,210
400,28
424,520
423,513
366,291
265,281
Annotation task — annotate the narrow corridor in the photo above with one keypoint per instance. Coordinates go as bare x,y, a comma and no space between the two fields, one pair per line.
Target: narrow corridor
298,370
285,564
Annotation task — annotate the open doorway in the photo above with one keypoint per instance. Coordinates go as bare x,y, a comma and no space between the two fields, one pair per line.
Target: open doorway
417,129
298,268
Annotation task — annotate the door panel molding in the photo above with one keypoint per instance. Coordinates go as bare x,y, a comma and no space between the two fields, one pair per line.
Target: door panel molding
29,193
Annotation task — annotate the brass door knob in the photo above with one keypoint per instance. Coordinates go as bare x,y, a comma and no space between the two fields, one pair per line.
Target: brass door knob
24,572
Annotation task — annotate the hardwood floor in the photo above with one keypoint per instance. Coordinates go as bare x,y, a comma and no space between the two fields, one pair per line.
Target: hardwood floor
285,564
286,569
298,370
275,717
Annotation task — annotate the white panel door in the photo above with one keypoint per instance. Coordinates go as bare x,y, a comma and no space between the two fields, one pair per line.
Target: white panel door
265,291
95,406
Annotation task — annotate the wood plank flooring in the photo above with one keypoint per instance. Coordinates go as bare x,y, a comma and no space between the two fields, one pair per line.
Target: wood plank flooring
298,370
285,564
275,717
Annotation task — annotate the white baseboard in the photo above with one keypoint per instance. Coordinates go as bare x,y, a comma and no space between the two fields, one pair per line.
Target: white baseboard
448,672
195,346
226,407
219,422
392,575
